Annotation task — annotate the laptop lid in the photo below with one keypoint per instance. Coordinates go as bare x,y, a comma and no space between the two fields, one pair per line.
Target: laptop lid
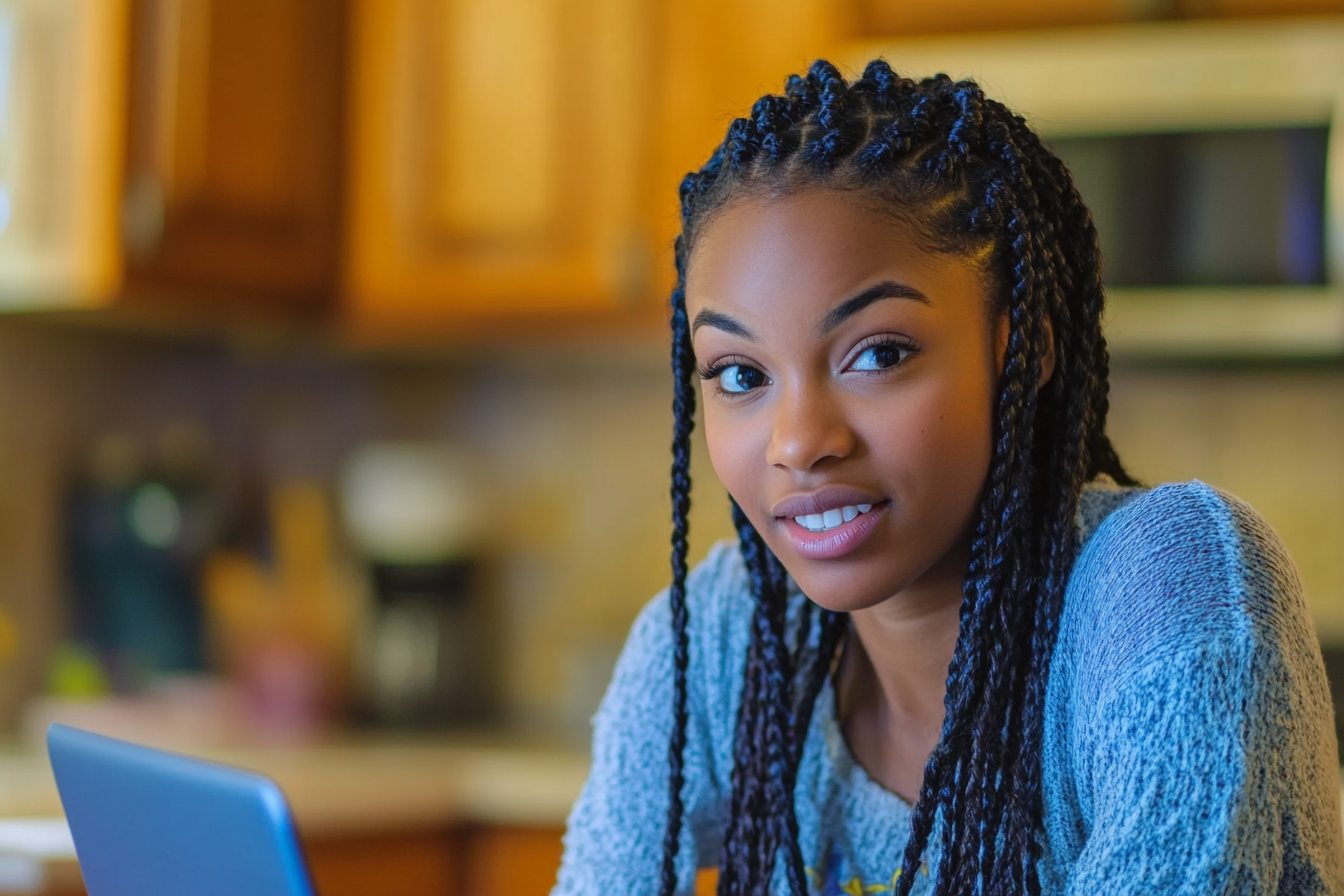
151,823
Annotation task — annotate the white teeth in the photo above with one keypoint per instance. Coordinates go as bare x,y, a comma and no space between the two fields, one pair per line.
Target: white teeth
822,522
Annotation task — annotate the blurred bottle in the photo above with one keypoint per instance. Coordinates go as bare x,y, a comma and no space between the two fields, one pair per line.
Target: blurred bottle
282,616
140,519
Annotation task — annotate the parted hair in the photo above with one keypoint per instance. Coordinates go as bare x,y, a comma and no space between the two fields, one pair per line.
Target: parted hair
970,177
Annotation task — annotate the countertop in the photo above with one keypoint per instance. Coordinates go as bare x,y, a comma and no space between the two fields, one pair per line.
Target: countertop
340,787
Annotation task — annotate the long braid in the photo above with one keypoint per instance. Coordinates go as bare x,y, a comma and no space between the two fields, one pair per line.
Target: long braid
1031,267
769,743
683,412
758,771
974,179
1073,385
997,586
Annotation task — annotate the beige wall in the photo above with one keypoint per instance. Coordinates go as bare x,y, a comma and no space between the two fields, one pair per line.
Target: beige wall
579,449
57,388
574,443
599,506
1273,437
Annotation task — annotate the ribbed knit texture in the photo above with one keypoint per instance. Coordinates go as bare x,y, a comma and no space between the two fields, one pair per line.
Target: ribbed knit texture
1189,742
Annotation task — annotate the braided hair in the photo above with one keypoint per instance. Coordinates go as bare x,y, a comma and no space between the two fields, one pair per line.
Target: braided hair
971,177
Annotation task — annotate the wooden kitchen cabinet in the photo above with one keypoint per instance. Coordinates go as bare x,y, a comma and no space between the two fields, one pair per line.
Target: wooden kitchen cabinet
233,154
716,58
511,861
62,87
470,860
479,860
414,863
421,167
895,19
487,860
497,159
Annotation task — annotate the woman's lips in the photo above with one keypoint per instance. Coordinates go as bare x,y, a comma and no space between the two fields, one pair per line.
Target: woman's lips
830,497
835,542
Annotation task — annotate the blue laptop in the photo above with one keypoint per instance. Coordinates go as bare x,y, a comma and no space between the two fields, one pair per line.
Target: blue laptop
150,823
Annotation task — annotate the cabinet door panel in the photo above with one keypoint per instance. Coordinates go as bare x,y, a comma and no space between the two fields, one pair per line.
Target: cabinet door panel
422,863
497,120
61,95
496,157
513,861
233,148
716,59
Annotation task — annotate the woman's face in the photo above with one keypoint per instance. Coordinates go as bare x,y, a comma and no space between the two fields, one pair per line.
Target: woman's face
852,382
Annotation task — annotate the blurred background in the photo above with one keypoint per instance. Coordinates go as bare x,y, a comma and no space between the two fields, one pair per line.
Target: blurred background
334,407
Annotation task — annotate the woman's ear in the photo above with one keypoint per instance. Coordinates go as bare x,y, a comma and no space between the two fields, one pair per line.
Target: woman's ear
1047,360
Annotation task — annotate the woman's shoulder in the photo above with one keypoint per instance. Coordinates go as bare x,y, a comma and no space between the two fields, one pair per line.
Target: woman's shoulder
1182,533
1187,691
1179,566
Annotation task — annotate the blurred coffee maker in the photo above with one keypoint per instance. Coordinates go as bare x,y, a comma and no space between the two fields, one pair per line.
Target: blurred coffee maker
429,649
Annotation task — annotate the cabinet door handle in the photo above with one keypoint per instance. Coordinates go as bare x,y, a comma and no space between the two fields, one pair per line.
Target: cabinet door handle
166,143
142,213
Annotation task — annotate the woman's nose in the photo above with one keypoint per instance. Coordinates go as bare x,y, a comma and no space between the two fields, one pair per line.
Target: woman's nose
809,427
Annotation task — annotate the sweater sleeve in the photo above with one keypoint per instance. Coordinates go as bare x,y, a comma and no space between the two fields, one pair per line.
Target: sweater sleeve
1199,726
614,840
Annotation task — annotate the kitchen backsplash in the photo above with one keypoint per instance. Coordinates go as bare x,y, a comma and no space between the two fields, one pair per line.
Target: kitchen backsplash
573,450
572,444
1274,438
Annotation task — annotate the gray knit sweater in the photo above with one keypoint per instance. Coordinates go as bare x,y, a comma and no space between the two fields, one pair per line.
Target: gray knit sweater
1188,749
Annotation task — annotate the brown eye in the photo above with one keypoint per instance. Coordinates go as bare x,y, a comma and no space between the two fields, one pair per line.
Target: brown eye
882,356
739,378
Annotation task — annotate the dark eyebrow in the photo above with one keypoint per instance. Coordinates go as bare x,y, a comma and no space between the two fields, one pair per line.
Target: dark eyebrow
718,321
887,289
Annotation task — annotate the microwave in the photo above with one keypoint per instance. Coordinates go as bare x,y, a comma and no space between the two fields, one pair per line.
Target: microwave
1212,157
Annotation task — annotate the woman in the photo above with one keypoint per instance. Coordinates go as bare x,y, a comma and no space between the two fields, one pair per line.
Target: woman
956,650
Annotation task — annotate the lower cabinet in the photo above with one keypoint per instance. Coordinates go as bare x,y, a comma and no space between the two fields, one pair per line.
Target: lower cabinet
474,860
468,861
419,863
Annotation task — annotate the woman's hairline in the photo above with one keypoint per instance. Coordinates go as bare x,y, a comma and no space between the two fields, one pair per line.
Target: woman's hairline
979,251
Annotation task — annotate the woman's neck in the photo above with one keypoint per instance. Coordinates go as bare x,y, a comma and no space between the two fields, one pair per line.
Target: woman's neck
892,678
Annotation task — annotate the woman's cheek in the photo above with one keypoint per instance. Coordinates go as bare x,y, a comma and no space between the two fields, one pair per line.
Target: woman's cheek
735,458
943,455
965,449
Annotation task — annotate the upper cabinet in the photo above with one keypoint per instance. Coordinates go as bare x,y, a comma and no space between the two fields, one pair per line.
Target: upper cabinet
233,153
179,155
716,57
429,168
62,89
498,159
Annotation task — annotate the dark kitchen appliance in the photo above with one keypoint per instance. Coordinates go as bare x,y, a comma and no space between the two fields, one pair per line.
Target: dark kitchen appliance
428,653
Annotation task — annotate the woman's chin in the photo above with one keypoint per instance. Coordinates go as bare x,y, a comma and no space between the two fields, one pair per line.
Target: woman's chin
842,598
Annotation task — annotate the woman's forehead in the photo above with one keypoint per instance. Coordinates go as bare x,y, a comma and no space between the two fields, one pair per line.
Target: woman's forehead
814,231
818,247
